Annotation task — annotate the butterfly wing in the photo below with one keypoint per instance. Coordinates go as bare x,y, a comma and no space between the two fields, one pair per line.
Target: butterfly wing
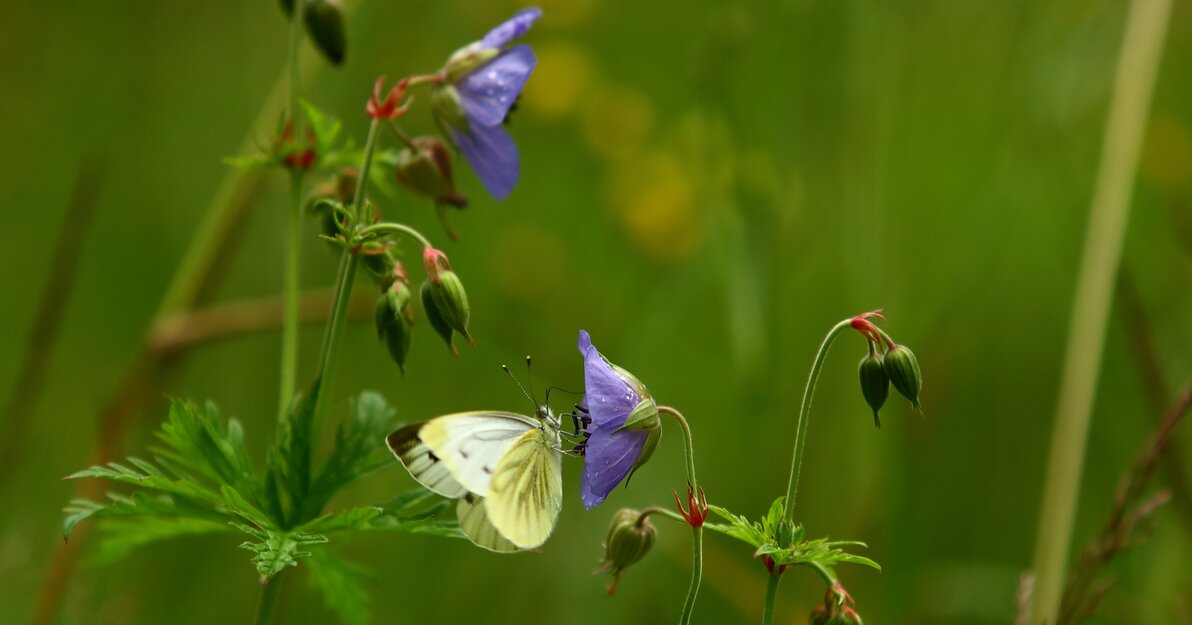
458,453
473,520
526,490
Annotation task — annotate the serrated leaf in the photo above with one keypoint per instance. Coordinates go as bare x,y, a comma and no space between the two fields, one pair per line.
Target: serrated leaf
341,584
358,451
274,551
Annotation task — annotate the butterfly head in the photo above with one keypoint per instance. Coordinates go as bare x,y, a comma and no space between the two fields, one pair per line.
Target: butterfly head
542,411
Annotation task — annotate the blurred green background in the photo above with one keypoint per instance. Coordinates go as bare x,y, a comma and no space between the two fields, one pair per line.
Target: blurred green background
707,187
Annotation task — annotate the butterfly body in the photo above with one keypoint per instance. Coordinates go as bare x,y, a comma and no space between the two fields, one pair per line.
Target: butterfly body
503,467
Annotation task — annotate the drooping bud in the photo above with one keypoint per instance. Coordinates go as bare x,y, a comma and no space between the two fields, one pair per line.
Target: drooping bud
903,368
447,293
324,20
425,169
837,608
394,318
435,317
630,537
875,384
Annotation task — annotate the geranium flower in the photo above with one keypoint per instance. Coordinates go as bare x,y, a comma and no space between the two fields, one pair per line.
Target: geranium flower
621,424
481,83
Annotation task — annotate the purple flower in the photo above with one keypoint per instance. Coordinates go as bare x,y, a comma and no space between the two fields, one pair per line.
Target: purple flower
483,80
613,449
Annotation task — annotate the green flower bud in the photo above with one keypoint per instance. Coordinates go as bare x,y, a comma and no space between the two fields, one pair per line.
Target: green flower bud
630,537
425,169
395,321
903,368
875,384
324,21
435,317
451,301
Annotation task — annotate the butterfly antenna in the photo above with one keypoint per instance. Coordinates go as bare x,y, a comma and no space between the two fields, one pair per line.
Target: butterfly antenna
505,368
530,377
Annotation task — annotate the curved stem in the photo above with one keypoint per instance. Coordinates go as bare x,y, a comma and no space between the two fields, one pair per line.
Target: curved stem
394,228
697,531
1138,63
268,604
369,145
771,595
792,486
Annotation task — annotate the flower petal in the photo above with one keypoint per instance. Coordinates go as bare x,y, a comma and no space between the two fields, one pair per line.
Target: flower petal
487,93
493,157
608,397
512,28
609,458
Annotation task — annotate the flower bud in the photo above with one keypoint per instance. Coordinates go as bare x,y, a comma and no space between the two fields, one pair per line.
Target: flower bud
903,368
395,321
451,300
425,169
435,317
875,384
630,537
325,24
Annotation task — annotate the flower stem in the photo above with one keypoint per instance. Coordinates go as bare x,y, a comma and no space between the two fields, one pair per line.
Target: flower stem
289,331
697,532
1142,46
394,228
348,262
792,486
268,605
771,595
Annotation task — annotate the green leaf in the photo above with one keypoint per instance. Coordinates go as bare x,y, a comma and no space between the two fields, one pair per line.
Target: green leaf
358,451
341,584
325,128
350,519
274,550
785,543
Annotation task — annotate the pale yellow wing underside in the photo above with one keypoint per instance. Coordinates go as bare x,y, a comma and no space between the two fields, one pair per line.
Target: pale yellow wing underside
526,490
475,524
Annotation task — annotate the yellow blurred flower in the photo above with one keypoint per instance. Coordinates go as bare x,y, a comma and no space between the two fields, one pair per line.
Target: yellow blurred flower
617,120
655,201
563,73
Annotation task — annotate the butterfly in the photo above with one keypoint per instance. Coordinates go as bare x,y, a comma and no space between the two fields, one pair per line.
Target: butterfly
504,468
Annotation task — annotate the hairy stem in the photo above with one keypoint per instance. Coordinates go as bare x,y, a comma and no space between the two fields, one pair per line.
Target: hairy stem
697,531
792,486
1146,27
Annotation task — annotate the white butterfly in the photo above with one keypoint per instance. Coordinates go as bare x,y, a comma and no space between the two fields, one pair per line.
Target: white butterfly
505,469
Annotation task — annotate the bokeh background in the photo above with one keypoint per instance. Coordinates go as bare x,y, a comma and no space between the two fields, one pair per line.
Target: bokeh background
707,187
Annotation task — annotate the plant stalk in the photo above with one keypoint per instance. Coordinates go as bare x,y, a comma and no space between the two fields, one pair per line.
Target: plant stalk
771,595
697,532
792,486
268,604
348,262
289,330
1142,45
